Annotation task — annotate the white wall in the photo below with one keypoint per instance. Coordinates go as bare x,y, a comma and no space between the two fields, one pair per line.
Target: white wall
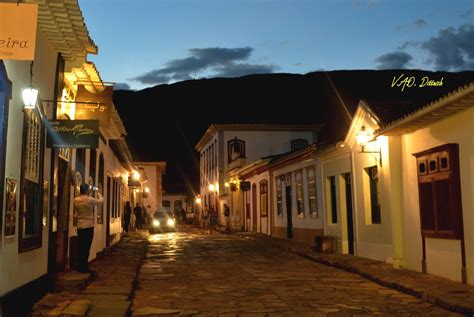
306,221
259,144
151,184
17,268
336,164
443,256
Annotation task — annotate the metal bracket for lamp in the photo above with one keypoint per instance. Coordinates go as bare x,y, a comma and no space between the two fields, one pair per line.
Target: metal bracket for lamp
379,152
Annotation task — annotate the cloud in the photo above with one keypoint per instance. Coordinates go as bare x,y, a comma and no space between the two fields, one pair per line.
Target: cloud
408,44
238,70
121,86
224,62
417,24
393,60
452,49
467,14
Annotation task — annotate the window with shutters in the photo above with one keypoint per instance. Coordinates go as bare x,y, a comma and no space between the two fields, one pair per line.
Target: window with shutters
439,192
31,189
236,149
264,198
299,193
374,194
279,194
312,199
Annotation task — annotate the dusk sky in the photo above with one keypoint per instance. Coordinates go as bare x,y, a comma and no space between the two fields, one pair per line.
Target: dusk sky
144,43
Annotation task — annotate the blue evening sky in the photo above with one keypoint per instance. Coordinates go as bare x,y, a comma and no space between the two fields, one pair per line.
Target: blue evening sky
143,43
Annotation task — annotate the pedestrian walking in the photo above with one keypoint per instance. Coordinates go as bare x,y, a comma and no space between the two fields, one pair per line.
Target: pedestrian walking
227,218
183,216
138,212
127,214
212,220
84,209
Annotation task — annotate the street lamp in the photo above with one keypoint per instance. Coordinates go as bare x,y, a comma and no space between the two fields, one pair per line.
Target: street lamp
363,138
29,94
136,176
198,200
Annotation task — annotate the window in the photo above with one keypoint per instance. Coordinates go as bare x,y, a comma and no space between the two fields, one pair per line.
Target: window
332,198
298,144
177,205
263,198
166,203
299,193
372,172
31,189
439,192
100,178
313,202
236,149
279,195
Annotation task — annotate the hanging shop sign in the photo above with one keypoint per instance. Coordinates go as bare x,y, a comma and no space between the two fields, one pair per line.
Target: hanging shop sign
73,134
18,31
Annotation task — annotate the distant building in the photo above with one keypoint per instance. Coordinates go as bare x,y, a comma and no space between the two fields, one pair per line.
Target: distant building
224,148
151,191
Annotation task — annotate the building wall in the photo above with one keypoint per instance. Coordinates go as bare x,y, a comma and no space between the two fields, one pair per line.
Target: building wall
337,164
259,144
443,256
305,226
17,268
152,199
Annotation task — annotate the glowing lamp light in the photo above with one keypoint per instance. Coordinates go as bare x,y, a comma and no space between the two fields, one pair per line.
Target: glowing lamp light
226,184
198,200
211,187
363,136
147,190
136,175
30,97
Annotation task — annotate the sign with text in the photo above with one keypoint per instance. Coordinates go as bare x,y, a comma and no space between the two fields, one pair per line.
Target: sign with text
73,134
18,31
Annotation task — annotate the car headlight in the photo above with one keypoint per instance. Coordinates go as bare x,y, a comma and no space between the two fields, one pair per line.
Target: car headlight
156,223
170,222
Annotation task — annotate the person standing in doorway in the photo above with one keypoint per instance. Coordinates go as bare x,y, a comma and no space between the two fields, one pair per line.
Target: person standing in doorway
84,209
138,215
127,214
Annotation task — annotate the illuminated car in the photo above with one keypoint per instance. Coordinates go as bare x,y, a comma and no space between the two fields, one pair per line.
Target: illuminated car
162,220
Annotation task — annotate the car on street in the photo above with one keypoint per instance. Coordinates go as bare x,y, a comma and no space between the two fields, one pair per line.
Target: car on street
162,220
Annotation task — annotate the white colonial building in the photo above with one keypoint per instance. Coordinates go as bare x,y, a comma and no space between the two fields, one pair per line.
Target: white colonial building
225,148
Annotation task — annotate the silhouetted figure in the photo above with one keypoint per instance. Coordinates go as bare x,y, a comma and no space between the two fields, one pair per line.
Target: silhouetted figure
138,211
227,217
127,214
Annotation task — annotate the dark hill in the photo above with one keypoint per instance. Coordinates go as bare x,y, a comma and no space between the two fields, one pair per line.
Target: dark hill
166,121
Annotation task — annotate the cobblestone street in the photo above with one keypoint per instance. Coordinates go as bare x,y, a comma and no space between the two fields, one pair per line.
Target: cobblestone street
190,273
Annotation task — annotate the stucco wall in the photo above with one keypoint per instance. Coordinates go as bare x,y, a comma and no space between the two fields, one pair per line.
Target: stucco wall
443,256
17,268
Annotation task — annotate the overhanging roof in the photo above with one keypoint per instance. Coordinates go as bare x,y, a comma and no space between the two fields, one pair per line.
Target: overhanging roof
122,152
458,100
63,24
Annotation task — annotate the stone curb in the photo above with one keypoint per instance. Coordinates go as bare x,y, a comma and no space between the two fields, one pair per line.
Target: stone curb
426,295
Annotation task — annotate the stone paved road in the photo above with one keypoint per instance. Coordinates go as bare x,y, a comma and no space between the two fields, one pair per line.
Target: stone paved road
189,273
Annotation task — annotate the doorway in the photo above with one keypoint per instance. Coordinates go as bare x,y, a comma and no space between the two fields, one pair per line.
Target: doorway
350,221
254,208
289,217
107,217
62,214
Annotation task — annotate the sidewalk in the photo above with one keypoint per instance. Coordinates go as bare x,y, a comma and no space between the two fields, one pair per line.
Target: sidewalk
447,294
108,293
